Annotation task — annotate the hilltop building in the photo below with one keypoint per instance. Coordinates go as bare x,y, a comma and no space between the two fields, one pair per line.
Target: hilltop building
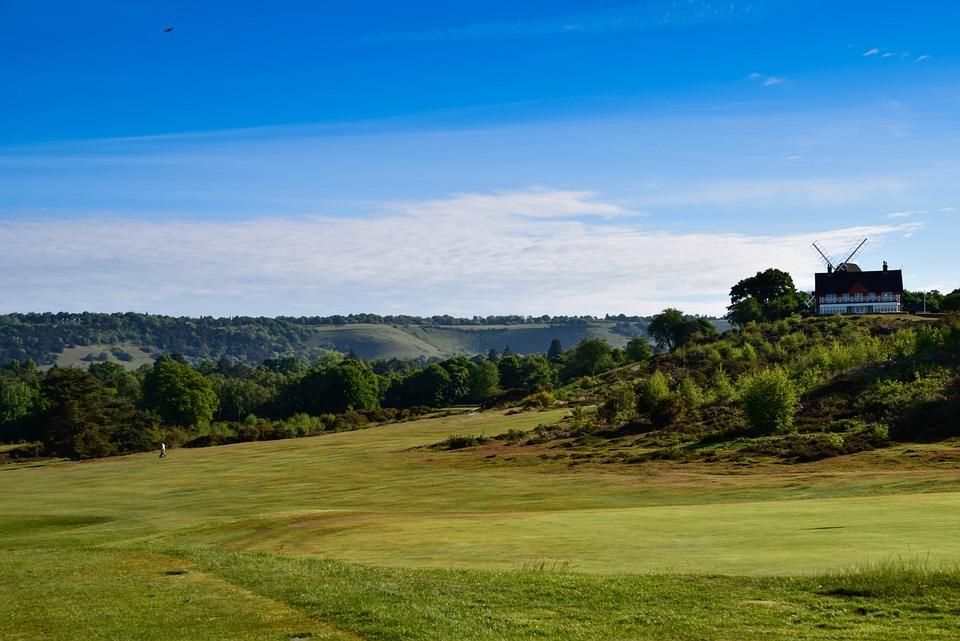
849,290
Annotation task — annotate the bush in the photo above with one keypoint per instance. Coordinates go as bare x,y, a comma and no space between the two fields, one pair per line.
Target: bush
460,441
542,400
875,434
722,389
690,393
916,409
30,450
667,411
652,390
620,405
769,401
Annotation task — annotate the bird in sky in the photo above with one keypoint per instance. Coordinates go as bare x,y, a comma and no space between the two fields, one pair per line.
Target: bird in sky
168,30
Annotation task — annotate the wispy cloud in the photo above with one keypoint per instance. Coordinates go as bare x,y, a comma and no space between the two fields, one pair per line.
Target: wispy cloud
767,81
529,251
905,214
641,17
885,54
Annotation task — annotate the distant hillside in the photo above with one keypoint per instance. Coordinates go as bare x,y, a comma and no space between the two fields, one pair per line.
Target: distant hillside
133,339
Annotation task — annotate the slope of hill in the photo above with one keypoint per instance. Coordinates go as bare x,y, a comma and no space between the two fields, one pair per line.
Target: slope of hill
130,339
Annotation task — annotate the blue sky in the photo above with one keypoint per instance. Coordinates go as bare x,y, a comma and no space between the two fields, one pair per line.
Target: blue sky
467,157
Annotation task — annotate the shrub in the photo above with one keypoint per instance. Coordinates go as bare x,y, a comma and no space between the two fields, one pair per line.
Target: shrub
349,421
813,447
722,389
581,420
950,332
460,441
690,393
929,339
667,411
542,399
620,405
652,390
512,436
769,401
30,450
875,434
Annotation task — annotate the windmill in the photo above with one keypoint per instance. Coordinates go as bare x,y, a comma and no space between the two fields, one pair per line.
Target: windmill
842,266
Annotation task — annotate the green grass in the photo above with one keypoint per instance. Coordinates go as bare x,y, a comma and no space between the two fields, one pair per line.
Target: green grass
74,356
368,533
99,594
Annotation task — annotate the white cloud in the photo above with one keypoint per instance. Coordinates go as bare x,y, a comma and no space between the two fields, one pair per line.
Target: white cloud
905,214
767,81
947,209
903,55
533,251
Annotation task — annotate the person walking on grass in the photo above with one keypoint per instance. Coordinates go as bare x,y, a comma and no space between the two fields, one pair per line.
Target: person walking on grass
163,450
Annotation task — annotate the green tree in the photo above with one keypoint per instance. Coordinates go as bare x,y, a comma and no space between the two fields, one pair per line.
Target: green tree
352,385
745,311
77,420
671,329
179,394
769,401
511,371
590,357
484,380
18,402
238,397
619,405
116,376
458,368
690,393
638,350
652,390
536,372
555,351
428,386
951,302
773,294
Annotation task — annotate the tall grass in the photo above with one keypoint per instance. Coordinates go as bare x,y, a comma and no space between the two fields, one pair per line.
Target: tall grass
893,576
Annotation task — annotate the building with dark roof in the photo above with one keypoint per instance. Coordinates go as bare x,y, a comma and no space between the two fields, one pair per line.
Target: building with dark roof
849,290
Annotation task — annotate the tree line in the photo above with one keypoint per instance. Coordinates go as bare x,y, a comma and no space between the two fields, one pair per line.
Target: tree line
104,409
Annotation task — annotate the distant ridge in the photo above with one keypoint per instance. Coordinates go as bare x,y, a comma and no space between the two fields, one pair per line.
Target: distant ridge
133,339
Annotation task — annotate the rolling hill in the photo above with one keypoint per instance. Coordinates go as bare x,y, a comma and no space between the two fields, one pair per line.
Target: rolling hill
133,339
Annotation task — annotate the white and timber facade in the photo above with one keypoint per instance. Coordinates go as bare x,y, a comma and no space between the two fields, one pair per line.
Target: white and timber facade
848,290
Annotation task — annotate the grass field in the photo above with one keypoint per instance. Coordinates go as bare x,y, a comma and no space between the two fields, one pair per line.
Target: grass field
368,535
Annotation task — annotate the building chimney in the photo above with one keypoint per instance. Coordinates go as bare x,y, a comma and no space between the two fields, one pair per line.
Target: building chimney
884,265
